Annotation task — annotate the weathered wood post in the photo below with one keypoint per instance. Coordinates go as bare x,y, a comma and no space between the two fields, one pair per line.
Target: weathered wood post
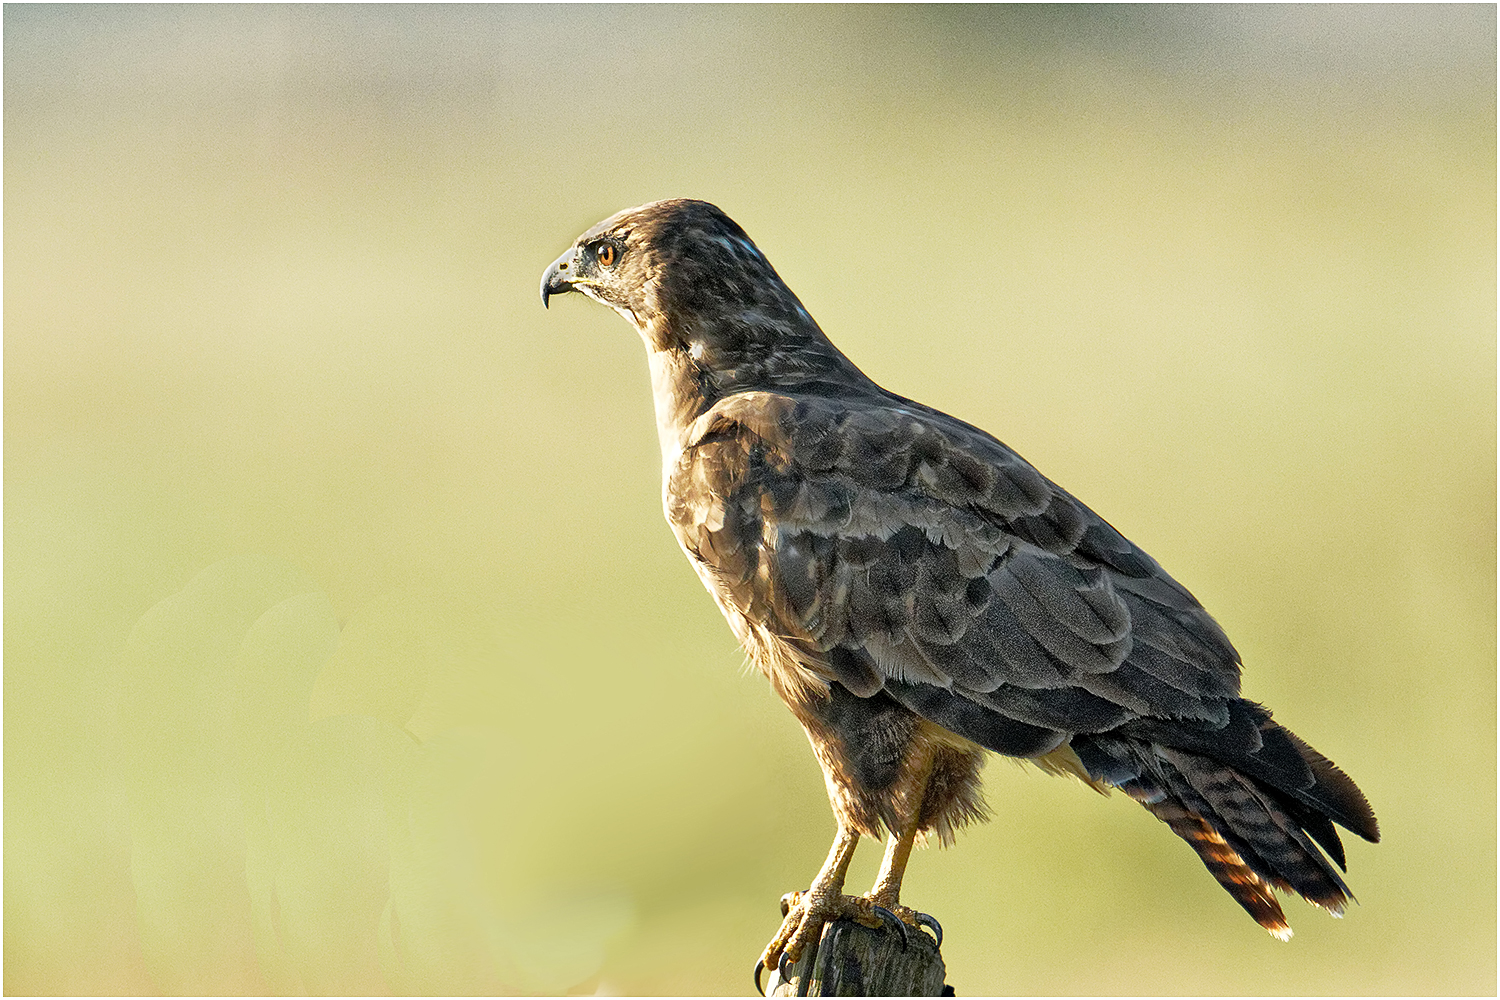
852,960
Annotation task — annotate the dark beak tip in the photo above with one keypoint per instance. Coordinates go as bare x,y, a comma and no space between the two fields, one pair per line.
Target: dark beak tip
553,282
550,286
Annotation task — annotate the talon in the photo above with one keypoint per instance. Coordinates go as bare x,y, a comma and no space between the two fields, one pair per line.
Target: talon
760,967
927,920
784,968
887,917
786,903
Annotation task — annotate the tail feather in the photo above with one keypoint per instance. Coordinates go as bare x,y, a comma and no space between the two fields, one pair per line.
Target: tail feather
1252,833
1319,828
1259,827
1335,793
1255,745
1227,865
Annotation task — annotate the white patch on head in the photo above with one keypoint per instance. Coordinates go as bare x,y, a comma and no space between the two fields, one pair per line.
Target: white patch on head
696,350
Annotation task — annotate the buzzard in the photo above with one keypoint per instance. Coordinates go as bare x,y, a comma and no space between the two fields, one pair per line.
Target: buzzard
918,594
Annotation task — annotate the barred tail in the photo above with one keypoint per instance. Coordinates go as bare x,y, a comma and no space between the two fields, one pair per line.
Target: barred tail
1226,864
1253,820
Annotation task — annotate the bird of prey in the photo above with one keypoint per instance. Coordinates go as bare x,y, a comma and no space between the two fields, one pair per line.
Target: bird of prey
918,594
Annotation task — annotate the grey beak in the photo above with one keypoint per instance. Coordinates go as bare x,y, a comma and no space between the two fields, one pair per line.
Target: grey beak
555,278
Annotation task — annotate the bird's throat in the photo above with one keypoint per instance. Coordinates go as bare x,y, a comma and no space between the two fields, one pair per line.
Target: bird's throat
678,392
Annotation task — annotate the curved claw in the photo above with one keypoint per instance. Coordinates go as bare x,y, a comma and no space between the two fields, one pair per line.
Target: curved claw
786,903
784,968
759,968
927,920
887,917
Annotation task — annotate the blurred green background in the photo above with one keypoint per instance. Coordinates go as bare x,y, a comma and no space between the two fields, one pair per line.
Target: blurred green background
346,650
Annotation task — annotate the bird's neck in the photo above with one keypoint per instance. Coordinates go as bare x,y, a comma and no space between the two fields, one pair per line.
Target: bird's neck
679,398
696,362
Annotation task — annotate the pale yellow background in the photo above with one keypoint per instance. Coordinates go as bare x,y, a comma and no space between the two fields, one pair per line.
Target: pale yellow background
345,649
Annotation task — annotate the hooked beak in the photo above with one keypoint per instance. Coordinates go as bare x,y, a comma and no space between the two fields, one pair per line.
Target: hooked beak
556,279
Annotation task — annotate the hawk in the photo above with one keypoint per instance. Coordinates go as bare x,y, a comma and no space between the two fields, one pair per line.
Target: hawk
918,594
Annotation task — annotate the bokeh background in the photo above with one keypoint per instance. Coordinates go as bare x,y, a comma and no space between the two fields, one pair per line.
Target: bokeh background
346,650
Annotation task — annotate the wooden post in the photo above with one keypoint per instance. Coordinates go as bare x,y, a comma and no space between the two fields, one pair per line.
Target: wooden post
852,960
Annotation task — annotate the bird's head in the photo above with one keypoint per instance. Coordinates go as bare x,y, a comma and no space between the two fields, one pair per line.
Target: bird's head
681,271
610,263
714,314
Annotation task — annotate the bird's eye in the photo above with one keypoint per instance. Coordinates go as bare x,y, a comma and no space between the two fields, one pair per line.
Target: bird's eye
606,254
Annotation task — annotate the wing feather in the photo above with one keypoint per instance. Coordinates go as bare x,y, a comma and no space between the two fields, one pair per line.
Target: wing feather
901,546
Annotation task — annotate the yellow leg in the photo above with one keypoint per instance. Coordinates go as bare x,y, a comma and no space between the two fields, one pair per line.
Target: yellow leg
805,913
887,890
829,882
886,893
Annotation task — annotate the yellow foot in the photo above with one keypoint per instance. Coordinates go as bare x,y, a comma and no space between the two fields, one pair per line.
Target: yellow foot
805,914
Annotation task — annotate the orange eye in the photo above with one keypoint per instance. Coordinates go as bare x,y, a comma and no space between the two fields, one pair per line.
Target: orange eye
606,254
